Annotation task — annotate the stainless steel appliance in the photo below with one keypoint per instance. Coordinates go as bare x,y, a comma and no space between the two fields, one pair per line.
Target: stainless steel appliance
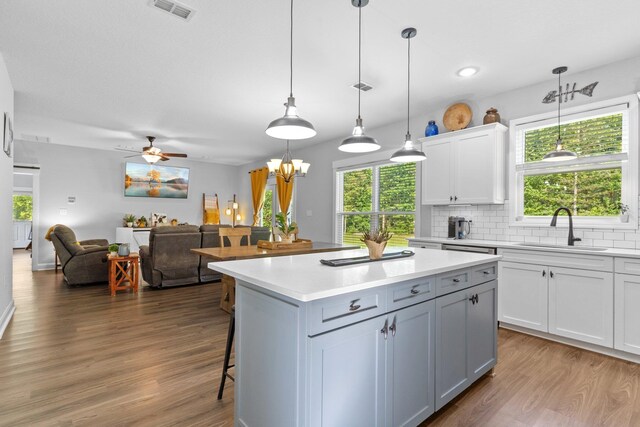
459,227
476,249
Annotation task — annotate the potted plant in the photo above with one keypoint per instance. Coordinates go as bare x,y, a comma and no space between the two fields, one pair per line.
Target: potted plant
142,222
129,219
624,212
285,229
376,240
113,249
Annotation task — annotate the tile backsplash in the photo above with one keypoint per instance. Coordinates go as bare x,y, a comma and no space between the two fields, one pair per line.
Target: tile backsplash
491,222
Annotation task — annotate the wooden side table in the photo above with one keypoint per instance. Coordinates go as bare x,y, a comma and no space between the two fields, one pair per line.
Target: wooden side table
124,269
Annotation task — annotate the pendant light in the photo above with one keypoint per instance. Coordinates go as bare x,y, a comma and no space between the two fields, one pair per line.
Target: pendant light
358,142
409,152
291,126
559,154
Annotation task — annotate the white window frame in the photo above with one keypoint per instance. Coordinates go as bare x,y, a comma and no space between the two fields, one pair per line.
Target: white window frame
364,161
629,162
272,185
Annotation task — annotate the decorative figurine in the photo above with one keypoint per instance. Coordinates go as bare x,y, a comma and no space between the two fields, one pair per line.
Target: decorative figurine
432,129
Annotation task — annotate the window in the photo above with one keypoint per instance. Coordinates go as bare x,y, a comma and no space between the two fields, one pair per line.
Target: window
22,207
266,214
593,186
377,196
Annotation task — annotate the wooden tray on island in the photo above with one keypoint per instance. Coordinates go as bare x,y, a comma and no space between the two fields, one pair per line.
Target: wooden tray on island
296,244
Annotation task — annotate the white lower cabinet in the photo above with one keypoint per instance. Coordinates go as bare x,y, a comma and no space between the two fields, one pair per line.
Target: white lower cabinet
557,298
627,313
354,369
581,305
466,338
523,295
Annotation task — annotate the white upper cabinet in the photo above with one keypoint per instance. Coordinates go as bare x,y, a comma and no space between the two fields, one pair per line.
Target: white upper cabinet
465,166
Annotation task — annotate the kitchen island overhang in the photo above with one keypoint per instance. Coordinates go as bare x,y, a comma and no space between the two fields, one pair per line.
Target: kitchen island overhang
313,341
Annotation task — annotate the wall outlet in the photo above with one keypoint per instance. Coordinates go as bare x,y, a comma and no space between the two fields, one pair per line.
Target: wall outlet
63,212
309,213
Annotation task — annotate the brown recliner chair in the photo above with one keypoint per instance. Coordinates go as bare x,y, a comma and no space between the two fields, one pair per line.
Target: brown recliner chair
168,260
82,262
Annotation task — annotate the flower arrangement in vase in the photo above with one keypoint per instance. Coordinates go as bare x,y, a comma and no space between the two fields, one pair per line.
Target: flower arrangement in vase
284,229
376,241
624,212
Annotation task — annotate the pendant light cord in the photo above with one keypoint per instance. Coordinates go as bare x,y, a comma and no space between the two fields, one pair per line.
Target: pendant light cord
359,55
291,52
559,102
408,79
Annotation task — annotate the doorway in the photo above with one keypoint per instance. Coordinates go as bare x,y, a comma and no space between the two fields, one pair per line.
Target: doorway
26,184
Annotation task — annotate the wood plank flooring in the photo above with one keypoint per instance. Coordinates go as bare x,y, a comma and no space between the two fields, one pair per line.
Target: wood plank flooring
76,356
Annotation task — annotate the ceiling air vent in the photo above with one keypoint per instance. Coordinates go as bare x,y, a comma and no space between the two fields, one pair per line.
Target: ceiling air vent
176,9
362,86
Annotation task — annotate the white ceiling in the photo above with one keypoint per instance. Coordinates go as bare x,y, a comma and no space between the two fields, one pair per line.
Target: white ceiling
106,73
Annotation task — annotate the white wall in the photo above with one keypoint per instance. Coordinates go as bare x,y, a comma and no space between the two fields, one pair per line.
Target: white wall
6,189
96,179
315,191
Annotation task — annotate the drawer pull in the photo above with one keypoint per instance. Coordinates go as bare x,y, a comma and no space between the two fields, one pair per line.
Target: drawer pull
353,306
486,272
414,291
456,280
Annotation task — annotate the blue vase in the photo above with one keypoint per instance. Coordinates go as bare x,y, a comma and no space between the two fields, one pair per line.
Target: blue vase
432,129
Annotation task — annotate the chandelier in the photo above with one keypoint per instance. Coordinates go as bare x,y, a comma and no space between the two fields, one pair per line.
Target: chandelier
287,167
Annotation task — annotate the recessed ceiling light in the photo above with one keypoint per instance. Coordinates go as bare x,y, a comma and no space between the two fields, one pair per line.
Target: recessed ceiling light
467,71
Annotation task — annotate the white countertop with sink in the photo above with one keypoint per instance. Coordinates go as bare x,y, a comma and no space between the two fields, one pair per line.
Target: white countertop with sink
303,278
577,249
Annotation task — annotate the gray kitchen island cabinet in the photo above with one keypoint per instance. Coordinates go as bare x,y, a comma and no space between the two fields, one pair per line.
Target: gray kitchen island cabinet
355,345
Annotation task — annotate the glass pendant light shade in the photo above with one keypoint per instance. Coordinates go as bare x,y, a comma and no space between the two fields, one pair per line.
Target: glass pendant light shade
358,142
291,126
408,153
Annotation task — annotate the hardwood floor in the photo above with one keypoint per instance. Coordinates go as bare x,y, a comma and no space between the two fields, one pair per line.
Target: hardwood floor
76,356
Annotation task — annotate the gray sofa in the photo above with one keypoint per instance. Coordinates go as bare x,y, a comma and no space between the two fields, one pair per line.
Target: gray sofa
82,262
168,260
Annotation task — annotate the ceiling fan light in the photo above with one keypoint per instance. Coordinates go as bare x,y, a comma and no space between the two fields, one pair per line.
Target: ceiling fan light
151,158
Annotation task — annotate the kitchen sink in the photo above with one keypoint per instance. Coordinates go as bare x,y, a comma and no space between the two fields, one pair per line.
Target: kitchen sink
580,248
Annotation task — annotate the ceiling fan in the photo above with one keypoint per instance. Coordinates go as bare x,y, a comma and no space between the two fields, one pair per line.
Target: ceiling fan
152,154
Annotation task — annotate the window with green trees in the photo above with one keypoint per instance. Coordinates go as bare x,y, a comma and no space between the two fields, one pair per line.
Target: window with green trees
596,184
587,189
379,196
267,208
22,207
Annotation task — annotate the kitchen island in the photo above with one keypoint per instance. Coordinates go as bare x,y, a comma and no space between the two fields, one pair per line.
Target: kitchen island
377,344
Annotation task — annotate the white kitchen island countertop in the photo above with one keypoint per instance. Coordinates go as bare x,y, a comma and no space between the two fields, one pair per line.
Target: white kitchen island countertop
303,278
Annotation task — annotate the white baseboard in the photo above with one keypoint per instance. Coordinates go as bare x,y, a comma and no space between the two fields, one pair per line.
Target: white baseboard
6,317
47,266
575,343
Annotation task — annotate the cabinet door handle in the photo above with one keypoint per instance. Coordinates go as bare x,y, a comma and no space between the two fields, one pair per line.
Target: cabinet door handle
451,198
353,306
472,299
414,291
455,198
385,329
456,280
392,328
551,274
544,273
476,298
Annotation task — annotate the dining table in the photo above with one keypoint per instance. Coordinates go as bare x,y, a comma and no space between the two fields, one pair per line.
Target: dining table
230,253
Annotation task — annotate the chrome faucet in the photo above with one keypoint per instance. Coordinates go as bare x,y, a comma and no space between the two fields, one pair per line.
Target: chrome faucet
555,219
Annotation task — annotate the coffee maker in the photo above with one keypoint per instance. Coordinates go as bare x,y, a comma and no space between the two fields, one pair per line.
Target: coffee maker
458,227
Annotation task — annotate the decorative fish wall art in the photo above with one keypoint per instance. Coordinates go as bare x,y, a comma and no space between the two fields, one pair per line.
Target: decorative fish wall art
551,96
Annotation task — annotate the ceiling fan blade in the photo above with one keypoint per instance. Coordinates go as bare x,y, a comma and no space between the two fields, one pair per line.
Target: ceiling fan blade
174,154
163,158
